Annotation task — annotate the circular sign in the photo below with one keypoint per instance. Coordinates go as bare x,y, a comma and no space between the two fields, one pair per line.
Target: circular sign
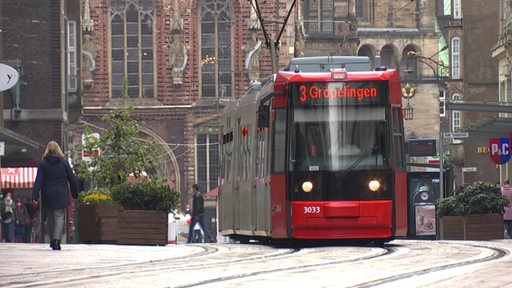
8,77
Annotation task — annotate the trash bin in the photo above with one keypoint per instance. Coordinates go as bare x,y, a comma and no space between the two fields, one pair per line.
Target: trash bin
423,189
172,235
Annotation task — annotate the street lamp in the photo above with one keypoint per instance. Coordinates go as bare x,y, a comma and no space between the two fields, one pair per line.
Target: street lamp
440,71
408,91
408,112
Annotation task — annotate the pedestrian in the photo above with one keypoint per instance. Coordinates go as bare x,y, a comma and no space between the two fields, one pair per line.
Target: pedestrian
198,215
8,217
506,190
53,176
22,221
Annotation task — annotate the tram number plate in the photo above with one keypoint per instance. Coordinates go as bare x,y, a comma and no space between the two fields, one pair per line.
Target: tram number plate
311,209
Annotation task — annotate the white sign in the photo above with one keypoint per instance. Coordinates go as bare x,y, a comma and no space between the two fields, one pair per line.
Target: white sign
8,77
2,148
468,169
88,141
456,135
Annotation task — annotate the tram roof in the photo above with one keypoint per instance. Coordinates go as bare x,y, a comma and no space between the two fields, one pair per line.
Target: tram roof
326,63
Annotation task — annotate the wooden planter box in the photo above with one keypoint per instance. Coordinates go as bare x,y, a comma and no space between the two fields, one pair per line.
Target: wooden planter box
98,223
142,227
472,227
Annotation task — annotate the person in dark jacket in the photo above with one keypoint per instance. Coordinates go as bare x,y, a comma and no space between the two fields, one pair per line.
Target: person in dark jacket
198,215
53,176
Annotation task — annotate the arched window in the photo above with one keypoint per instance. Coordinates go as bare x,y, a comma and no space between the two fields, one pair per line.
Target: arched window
216,76
367,50
388,57
409,64
455,65
131,23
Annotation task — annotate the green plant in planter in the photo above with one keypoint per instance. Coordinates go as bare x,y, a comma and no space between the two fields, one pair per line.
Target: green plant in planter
146,195
123,147
477,198
126,152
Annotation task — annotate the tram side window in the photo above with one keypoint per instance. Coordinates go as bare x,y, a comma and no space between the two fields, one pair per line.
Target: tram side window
261,152
279,143
227,155
398,135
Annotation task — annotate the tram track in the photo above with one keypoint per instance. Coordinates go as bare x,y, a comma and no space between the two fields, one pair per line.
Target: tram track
234,265
384,251
188,262
497,253
97,271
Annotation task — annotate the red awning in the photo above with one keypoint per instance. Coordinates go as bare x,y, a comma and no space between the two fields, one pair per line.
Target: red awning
19,177
213,193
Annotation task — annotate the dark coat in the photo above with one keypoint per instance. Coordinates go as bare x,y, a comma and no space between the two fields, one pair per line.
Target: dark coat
198,204
53,176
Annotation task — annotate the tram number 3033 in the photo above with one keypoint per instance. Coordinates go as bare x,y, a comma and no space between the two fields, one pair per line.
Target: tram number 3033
311,209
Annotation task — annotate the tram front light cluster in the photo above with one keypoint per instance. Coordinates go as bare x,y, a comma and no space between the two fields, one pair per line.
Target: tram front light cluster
374,185
307,186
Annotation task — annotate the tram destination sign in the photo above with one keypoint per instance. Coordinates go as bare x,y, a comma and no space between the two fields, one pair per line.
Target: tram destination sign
329,93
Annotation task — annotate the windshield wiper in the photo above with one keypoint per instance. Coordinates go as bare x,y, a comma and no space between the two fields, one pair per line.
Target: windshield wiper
359,160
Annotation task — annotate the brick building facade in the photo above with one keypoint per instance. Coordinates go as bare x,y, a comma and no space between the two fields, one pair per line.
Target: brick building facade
39,108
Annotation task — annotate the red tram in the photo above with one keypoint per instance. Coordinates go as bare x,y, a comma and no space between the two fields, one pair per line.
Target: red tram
315,153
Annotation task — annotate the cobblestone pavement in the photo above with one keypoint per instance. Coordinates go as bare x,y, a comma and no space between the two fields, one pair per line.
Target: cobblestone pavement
402,263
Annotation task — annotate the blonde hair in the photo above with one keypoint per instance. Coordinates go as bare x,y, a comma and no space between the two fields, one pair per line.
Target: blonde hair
53,148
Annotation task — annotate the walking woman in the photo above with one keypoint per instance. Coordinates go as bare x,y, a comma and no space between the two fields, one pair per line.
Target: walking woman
53,175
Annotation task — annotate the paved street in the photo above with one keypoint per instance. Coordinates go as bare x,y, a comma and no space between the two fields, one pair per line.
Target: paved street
402,263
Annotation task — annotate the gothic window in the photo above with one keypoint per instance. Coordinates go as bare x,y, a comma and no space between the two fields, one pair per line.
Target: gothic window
319,17
131,26
207,166
216,76
455,65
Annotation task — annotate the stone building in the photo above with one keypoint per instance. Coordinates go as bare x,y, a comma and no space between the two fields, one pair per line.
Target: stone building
502,53
473,86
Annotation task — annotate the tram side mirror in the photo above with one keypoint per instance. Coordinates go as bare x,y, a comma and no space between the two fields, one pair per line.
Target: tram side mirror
263,116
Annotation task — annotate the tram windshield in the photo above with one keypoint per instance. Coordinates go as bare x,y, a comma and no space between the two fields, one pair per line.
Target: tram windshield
338,138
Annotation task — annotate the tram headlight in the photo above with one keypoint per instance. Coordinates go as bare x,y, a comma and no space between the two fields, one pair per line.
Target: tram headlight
307,186
374,185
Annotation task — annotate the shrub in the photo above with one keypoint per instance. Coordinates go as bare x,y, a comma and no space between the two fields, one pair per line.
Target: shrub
477,198
146,195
